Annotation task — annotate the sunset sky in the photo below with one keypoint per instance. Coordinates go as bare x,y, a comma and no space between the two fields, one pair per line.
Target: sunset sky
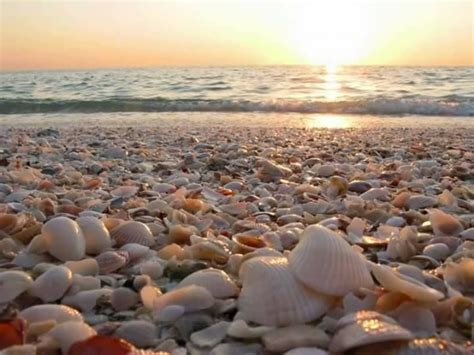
50,34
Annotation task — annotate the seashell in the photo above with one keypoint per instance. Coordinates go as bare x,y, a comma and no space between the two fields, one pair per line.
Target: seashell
180,233
416,202
85,267
418,346
45,312
169,314
85,301
101,344
10,247
12,223
83,283
460,276
64,239
403,246
271,295
270,171
210,336
192,298
170,251
240,329
468,234
337,186
12,284
324,262
95,234
306,351
110,261
135,251
28,260
140,333
208,251
217,282
437,251
238,209
352,303
111,223
148,295
27,233
70,332
11,334
396,282
164,188
132,232
444,224
419,320
359,186
53,284
300,335
124,191
246,244
325,170
366,327
376,193
123,298
152,268
37,245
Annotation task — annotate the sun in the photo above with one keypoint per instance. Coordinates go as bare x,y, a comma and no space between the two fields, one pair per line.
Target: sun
329,33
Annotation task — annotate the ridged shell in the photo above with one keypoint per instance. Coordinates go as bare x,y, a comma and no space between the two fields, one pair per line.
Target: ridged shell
216,281
366,327
67,333
132,232
192,298
140,333
324,261
396,282
64,239
95,234
110,261
12,284
271,295
44,312
53,284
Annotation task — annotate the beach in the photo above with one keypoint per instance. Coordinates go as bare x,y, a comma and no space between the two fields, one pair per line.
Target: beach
236,233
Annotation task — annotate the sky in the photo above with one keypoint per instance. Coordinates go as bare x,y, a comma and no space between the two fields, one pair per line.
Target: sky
62,34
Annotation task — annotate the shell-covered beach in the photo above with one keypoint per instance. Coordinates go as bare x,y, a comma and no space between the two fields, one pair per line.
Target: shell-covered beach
219,238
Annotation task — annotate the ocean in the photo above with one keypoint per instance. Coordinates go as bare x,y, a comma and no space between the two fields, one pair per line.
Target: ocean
353,90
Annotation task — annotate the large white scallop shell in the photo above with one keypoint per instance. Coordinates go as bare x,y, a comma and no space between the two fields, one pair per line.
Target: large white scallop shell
132,232
216,281
95,234
64,239
271,295
326,263
44,312
397,282
12,284
366,327
53,284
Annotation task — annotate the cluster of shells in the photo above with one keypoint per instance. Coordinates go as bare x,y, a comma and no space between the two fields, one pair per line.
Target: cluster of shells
236,241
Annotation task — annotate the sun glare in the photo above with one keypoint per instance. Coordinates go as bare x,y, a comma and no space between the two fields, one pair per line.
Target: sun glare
330,34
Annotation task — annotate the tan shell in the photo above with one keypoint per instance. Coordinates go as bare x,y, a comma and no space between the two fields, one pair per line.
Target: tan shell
192,298
95,234
216,281
247,243
271,295
64,239
324,261
445,224
12,284
52,285
110,261
366,327
85,267
396,282
44,312
148,295
460,275
132,232
300,335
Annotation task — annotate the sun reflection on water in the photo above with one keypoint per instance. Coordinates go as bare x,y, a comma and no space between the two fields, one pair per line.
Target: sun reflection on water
329,121
331,84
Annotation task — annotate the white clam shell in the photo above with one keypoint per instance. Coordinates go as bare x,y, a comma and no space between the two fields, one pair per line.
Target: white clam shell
37,245
240,329
132,232
110,261
152,268
45,312
95,234
68,333
64,239
438,251
445,224
216,281
326,263
135,251
396,282
271,295
123,298
366,327
417,319
192,298
169,314
83,283
12,284
53,284
140,333
85,267
85,301
300,335
210,336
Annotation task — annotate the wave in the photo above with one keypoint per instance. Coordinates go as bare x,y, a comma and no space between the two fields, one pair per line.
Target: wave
369,106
